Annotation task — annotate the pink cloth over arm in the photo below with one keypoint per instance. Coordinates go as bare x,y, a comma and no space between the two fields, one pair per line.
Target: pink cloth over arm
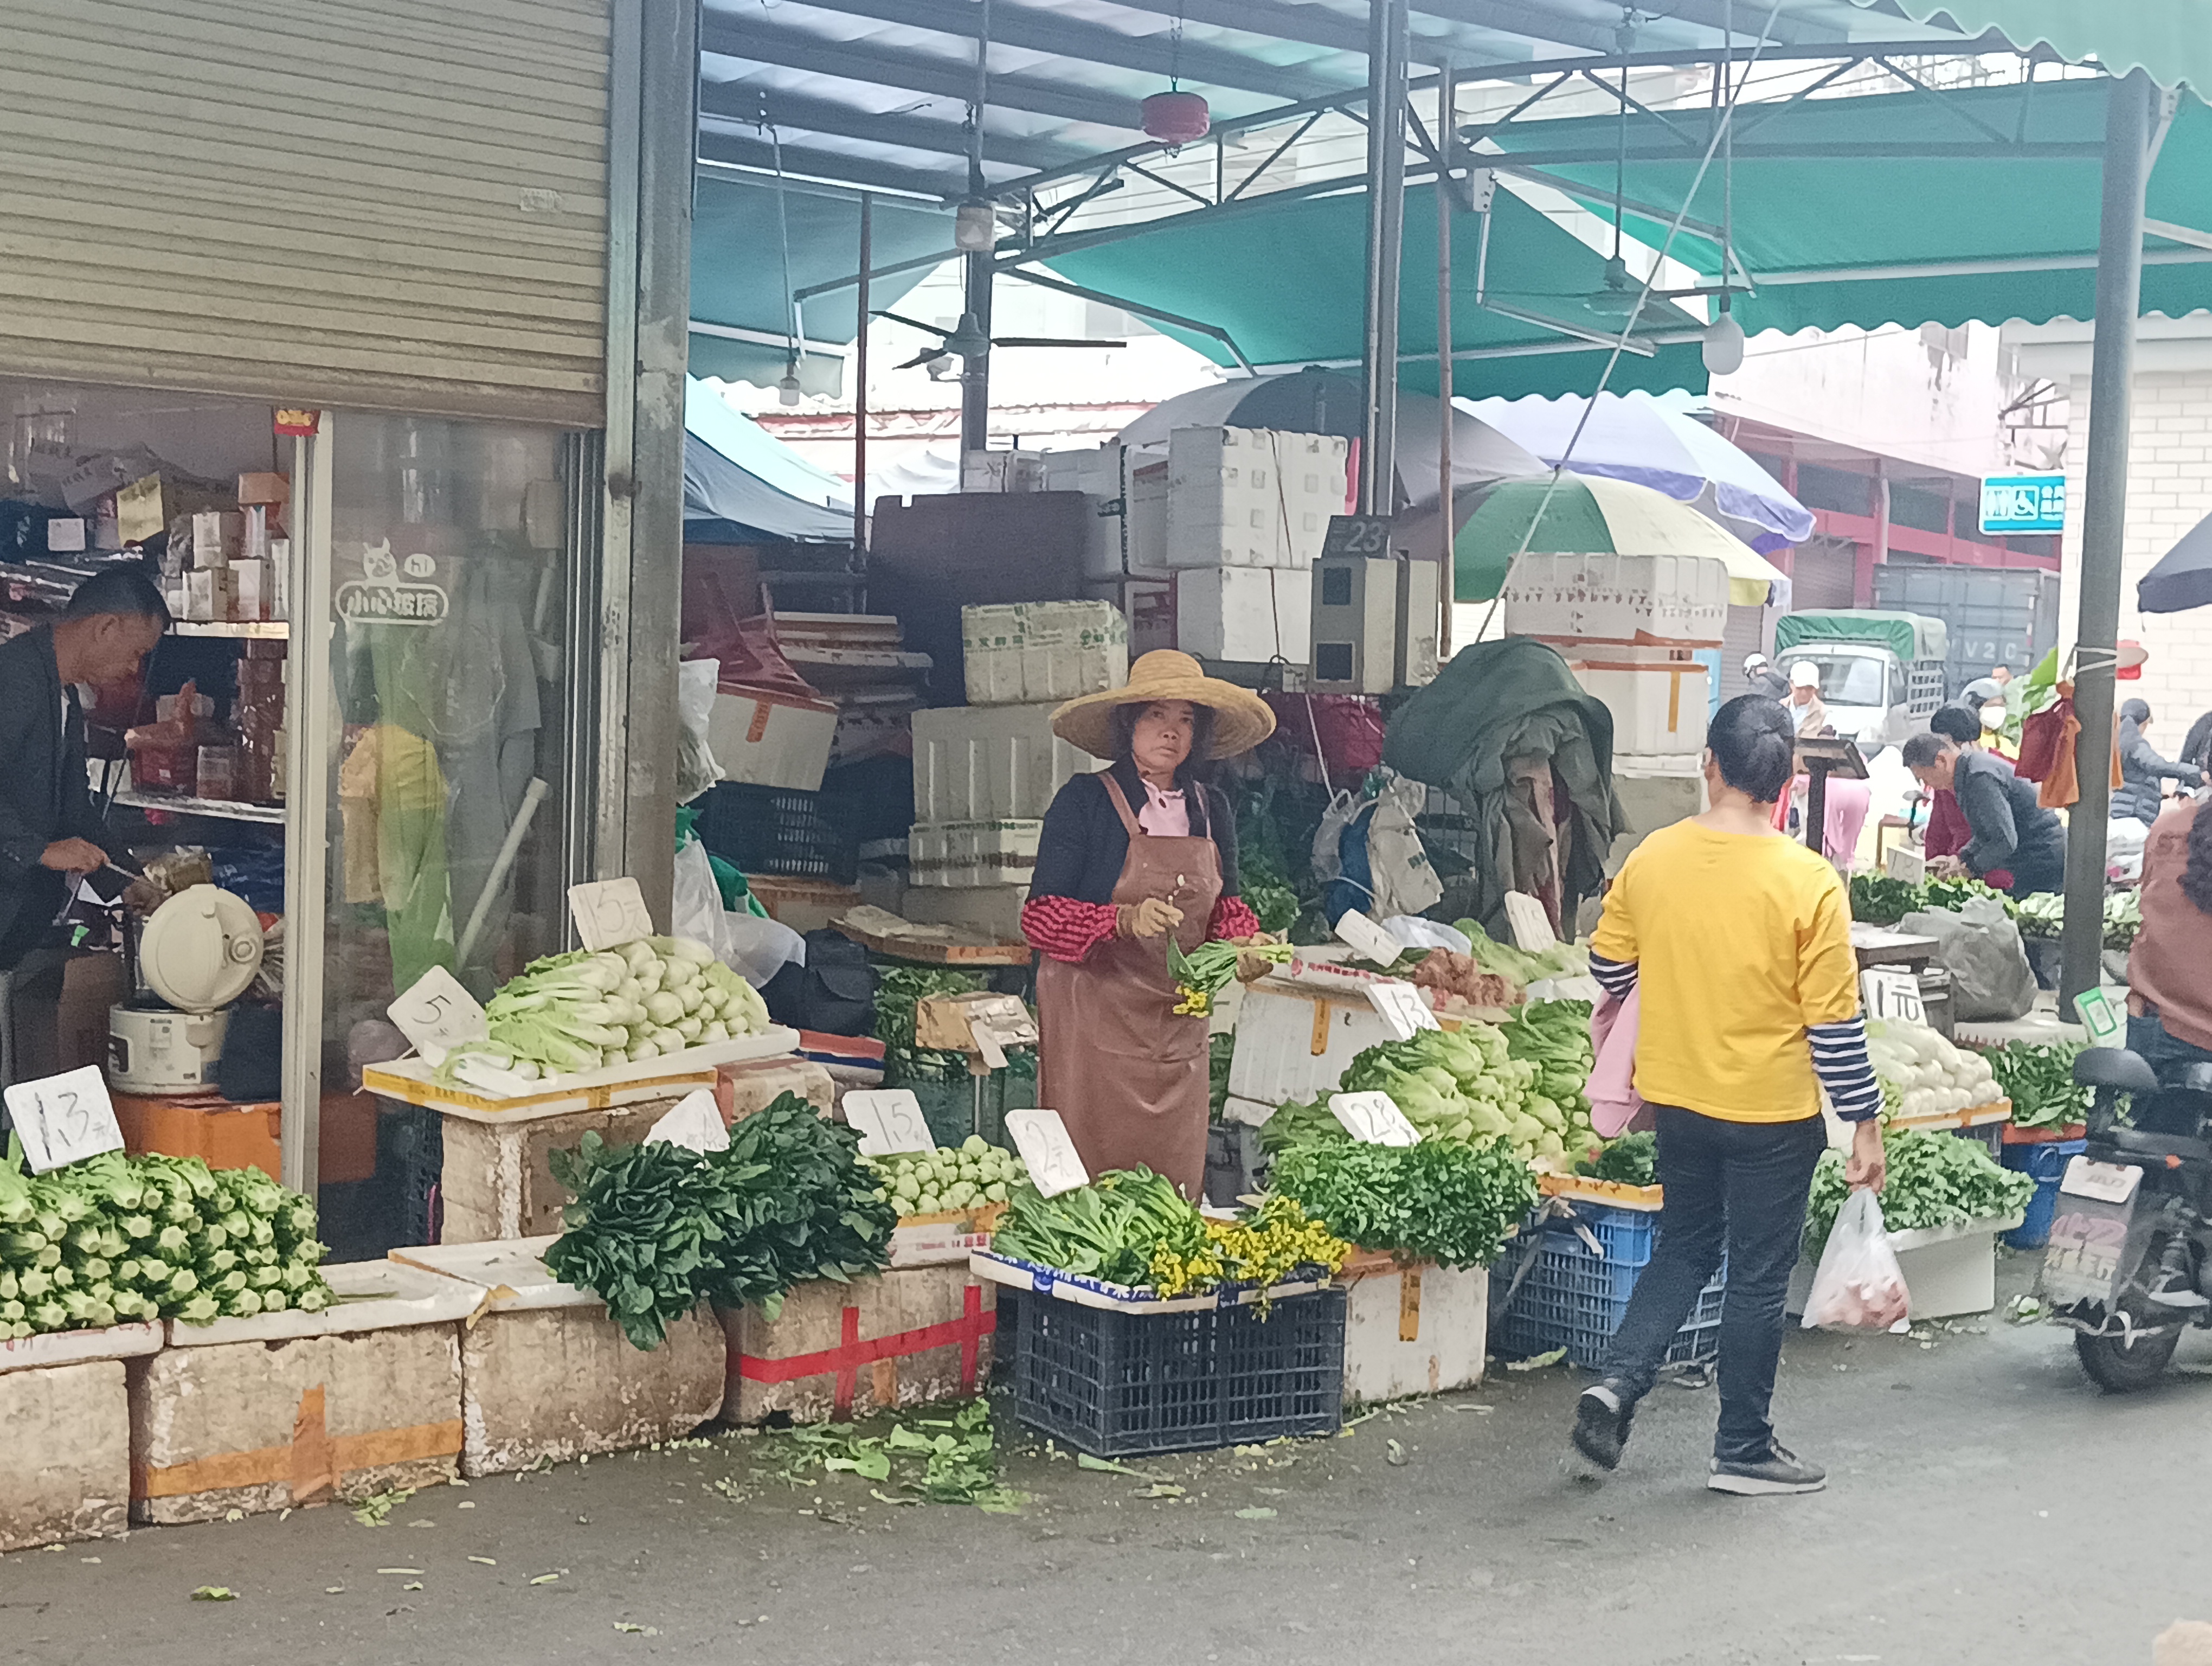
1614,1099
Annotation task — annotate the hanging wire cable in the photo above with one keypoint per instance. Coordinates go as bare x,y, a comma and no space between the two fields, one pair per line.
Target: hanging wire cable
1174,50
783,233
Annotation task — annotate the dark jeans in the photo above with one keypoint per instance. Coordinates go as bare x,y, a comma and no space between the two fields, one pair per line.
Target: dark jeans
1737,1186
2166,1053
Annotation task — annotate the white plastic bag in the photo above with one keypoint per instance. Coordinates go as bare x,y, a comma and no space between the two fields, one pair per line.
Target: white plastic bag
696,769
695,909
1859,1285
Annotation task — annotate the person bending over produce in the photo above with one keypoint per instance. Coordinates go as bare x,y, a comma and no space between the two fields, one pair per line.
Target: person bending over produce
1947,833
1738,939
1137,856
2017,845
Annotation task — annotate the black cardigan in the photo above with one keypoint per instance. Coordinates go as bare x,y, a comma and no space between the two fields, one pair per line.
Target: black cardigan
1084,844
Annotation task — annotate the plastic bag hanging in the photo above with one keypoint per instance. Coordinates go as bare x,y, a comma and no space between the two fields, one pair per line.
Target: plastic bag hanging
1859,1285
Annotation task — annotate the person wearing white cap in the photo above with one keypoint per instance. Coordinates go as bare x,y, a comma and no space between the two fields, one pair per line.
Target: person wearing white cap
1805,703
1762,679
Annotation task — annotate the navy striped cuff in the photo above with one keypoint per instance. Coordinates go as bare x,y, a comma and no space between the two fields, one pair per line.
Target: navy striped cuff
1840,1060
1615,977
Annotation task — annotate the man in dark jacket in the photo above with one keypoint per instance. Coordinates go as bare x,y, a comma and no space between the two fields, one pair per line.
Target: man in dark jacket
49,831
2141,769
2017,845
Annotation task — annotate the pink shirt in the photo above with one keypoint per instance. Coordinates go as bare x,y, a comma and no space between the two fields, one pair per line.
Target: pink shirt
1165,815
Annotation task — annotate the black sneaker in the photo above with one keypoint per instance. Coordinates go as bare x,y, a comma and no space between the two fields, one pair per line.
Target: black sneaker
1780,1471
1601,1418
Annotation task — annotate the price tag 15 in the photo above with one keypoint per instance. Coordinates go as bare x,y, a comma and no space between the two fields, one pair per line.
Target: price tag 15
438,1015
610,913
1042,1139
1401,1007
1887,993
64,1118
1366,938
889,1120
1373,1119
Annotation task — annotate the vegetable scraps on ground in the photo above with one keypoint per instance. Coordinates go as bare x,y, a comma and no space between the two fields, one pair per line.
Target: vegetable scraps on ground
656,1228
1935,1179
2038,1076
115,1239
1208,970
1438,1201
933,1460
927,1182
1922,1074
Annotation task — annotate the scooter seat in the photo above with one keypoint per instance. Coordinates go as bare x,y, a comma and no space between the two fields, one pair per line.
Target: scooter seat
2156,1147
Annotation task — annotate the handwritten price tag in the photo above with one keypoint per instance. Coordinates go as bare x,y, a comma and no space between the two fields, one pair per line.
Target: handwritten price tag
889,1120
610,913
1401,1008
438,1015
1530,925
1888,994
1373,1119
1367,939
1042,1139
64,1118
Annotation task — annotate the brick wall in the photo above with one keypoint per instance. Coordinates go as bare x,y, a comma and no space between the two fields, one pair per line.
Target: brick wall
2169,491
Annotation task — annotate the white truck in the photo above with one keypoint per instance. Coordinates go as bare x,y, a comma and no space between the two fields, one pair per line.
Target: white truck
1881,674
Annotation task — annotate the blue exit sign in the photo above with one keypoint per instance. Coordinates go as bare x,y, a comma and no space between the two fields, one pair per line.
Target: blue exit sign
2024,503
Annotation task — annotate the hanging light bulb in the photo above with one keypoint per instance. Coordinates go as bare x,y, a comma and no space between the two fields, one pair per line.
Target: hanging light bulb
975,227
1722,347
787,390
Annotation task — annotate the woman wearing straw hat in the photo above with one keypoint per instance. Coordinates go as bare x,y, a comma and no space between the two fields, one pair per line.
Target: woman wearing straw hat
1143,850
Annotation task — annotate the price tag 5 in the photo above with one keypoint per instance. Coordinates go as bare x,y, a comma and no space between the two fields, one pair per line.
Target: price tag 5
1891,995
1042,1139
1373,1119
438,1015
609,913
889,1120
1367,939
1401,1008
64,1118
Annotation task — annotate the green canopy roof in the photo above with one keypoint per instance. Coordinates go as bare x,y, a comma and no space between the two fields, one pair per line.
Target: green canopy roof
2170,39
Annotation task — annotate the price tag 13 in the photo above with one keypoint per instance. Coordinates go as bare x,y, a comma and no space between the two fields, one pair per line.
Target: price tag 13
1401,1007
889,1120
438,1015
64,1118
610,913
1367,939
1042,1139
1373,1119
1887,993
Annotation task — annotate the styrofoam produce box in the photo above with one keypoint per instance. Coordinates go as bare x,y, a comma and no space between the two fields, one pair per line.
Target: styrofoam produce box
766,739
900,1338
1294,1045
1677,601
1417,1329
65,1463
1127,532
1949,1270
981,853
546,1374
1021,653
285,1409
1245,613
1251,497
994,910
988,763
1658,710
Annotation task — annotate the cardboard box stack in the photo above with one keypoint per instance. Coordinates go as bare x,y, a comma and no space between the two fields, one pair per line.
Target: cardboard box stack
223,563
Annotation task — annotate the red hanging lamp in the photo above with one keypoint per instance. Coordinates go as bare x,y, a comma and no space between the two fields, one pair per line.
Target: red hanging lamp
1176,118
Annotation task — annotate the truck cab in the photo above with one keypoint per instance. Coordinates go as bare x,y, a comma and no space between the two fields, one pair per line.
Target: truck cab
1881,674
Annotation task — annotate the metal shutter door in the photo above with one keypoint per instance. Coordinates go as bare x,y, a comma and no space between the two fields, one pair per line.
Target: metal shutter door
396,204
1823,573
1744,635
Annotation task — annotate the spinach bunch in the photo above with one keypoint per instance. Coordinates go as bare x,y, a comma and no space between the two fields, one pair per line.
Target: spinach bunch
2039,1078
1934,1180
640,1233
1438,1200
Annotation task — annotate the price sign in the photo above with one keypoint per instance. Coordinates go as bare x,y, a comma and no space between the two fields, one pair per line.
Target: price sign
1042,1139
1373,1119
889,1120
1530,925
696,1124
437,1015
1367,939
1906,864
1886,993
1401,1006
610,913
1356,535
2098,1017
64,1118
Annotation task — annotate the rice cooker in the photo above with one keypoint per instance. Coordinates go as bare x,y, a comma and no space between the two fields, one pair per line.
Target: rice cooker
196,954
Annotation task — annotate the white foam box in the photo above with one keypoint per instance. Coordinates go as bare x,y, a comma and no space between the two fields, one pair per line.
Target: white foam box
993,911
65,1464
988,763
1126,531
1949,1270
1149,605
1658,709
1295,1044
1001,470
1245,613
1022,653
1147,510
902,1338
288,1408
498,1176
771,739
1408,1330
978,853
546,1375
1251,497
1676,601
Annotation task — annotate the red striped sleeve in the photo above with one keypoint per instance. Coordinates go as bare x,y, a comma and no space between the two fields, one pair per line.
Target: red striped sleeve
1232,917
1066,929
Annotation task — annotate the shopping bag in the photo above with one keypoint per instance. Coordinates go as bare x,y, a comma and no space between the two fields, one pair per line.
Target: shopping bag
1614,1099
1859,1285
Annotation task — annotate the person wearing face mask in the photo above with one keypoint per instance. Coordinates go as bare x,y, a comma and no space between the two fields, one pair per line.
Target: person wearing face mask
2141,769
1985,696
49,831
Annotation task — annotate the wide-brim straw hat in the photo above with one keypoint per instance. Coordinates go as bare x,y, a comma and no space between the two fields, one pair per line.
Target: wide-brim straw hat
1240,718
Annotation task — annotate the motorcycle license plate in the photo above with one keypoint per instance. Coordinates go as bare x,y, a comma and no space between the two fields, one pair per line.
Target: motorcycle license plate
2089,1233
2107,1183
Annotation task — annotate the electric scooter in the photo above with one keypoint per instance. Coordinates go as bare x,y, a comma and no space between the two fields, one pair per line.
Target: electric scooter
2129,1267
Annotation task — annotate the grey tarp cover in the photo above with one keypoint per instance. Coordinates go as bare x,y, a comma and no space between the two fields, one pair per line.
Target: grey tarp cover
1494,703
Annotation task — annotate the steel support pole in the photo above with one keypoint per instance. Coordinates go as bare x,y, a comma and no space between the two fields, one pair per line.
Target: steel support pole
860,390
1447,569
976,373
2104,520
1386,220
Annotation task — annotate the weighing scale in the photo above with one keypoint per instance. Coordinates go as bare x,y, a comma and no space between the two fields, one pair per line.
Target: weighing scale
194,956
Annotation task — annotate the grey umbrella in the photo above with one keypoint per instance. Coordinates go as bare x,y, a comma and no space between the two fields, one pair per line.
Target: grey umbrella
2183,578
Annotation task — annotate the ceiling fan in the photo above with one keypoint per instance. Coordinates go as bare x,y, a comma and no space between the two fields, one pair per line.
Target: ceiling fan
966,339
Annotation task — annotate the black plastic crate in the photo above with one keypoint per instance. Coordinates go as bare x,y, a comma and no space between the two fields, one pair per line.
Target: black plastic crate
776,831
1130,1385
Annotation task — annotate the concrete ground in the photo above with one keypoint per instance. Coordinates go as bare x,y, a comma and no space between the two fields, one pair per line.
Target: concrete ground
1988,1507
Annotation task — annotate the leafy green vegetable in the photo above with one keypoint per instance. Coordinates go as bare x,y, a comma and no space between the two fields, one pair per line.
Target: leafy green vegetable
936,1460
1109,1230
1207,971
1517,965
2039,1078
965,1176
899,989
1438,1201
1631,1160
1934,1180
1879,900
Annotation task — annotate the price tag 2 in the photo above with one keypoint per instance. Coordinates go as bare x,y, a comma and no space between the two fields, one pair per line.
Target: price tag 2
610,913
889,1120
1373,1119
438,1015
64,1118
1401,1007
1367,939
1042,1139
1887,993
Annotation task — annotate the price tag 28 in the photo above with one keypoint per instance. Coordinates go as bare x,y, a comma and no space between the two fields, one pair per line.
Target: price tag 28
1366,938
1401,1007
438,1015
1888,994
610,913
64,1118
889,1120
1042,1139
1373,1119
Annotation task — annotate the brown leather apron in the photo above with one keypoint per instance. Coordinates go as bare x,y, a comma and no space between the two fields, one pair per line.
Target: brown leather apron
1127,1075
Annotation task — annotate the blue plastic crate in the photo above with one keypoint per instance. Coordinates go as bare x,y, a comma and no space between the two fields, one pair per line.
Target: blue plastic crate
1575,1300
2046,1164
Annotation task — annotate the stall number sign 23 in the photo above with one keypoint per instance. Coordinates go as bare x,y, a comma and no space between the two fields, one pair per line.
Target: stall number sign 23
64,1118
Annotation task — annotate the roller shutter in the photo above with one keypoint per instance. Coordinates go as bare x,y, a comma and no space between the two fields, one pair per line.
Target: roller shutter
395,205
1823,573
